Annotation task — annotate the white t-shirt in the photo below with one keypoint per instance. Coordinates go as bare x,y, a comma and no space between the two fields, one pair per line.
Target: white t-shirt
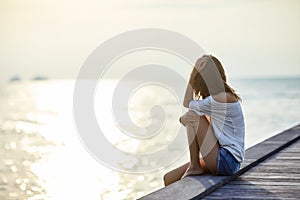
227,121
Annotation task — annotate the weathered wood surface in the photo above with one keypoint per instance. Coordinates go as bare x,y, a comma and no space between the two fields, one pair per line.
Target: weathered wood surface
276,178
198,187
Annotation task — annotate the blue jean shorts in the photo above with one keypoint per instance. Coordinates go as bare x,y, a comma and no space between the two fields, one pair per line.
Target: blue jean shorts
227,164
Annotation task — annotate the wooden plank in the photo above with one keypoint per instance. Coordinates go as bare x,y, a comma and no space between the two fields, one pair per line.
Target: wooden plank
258,194
265,182
269,197
276,169
250,187
254,191
272,179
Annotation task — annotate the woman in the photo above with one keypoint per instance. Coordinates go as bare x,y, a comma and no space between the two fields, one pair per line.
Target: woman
214,123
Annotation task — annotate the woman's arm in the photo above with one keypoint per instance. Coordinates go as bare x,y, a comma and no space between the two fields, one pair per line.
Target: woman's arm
189,95
189,92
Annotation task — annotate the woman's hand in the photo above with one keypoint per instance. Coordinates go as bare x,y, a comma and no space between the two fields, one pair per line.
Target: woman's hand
200,64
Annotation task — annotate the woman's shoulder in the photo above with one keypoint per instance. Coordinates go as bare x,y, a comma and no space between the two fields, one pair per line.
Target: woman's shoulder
224,97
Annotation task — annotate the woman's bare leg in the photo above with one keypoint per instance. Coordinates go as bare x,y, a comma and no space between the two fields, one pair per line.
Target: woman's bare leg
194,167
176,174
201,139
208,144
191,122
194,150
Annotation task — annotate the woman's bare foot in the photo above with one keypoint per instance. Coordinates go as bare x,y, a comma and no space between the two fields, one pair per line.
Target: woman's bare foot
193,171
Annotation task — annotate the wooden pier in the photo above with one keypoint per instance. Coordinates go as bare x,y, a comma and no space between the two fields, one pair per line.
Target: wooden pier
278,177
271,170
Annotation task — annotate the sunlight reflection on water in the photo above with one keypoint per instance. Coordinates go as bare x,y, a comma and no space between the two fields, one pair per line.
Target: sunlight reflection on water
43,158
41,128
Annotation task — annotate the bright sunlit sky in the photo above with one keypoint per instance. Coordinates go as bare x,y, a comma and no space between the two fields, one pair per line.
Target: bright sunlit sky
54,37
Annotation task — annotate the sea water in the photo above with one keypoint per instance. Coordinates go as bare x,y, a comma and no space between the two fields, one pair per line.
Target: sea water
42,156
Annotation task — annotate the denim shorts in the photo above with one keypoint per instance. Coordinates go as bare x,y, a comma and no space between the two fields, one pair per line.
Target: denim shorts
227,164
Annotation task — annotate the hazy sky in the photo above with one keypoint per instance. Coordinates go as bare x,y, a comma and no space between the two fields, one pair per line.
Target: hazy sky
54,37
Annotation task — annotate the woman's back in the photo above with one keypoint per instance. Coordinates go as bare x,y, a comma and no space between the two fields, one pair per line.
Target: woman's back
227,121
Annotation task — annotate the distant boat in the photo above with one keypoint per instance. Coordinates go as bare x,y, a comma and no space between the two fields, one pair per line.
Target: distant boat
39,78
15,79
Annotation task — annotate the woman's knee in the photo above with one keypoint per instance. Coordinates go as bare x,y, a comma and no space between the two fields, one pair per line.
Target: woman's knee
189,118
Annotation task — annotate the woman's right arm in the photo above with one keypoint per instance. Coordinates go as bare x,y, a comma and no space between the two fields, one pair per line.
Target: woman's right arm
189,95
189,92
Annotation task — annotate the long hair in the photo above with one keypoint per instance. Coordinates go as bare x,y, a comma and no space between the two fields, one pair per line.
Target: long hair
200,86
